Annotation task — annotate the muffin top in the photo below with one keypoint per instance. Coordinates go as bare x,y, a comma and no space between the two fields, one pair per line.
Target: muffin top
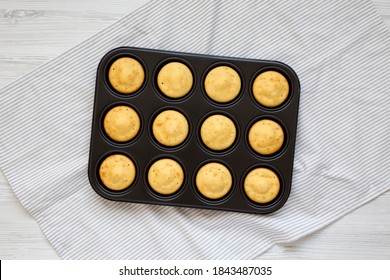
170,128
117,172
165,176
218,132
121,123
222,84
214,180
266,137
126,75
175,79
270,88
261,185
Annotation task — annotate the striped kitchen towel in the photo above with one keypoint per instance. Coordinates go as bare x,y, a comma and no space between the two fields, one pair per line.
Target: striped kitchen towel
341,53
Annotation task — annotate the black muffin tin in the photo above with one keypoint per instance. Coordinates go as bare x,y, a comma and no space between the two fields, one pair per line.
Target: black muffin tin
148,101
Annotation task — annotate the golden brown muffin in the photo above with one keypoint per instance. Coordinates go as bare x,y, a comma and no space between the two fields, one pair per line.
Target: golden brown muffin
266,137
170,128
166,176
218,132
122,123
117,172
175,79
261,185
270,88
126,75
214,180
222,84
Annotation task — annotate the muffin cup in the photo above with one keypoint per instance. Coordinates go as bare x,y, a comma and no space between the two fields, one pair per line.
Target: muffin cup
157,71
106,70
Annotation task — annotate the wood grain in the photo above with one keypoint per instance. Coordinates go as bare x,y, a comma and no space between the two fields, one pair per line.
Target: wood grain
33,32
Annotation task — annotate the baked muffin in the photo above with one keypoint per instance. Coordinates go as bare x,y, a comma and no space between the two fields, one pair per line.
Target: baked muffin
175,80
218,132
170,128
126,75
222,84
165,176
121,123
270,89
214,180
266,137
117,172
261,185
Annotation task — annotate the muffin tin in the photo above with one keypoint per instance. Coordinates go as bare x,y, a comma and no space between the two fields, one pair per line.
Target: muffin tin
192,154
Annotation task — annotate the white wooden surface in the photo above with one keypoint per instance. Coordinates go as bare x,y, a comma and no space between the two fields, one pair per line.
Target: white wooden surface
35,31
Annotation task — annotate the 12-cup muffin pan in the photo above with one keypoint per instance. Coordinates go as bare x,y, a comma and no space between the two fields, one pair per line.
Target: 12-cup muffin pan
192,154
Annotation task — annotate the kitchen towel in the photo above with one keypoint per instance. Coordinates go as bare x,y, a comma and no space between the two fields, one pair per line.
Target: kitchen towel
341,53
